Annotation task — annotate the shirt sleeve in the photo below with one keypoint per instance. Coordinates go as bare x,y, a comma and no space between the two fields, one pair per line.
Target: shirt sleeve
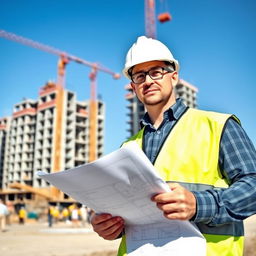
237,162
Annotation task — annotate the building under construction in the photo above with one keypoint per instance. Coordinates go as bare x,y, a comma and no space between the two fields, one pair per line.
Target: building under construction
28,143
136,110
53,133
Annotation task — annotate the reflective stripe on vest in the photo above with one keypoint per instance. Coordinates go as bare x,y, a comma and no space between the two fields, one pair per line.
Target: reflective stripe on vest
189,156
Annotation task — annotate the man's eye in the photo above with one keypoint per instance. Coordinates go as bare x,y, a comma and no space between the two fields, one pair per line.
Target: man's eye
155,73
139,76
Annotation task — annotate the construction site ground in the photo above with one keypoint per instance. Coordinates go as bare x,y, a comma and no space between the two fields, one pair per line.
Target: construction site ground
37,239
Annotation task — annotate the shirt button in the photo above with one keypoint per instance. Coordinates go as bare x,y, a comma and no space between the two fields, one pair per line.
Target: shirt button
158,132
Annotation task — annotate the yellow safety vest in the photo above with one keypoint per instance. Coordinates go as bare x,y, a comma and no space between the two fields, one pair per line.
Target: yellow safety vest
189,156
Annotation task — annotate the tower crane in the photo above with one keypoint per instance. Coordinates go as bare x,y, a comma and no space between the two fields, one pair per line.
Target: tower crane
64,59
150,21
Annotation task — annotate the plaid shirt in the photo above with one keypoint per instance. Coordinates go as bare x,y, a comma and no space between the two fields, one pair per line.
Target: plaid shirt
237,162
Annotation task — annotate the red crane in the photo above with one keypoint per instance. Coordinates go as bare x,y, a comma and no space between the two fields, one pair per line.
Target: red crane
150,21
64,59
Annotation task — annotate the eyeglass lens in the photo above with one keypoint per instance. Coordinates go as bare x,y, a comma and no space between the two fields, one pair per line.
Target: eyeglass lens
155,73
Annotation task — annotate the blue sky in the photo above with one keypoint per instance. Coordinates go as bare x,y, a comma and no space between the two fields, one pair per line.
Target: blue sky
214,42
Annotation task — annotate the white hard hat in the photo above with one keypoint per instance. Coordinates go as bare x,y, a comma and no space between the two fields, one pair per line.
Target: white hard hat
147,49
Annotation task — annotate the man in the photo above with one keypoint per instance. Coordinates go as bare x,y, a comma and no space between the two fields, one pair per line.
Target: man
3,214
206,157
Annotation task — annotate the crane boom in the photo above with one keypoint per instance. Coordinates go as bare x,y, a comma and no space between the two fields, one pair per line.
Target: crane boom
55,51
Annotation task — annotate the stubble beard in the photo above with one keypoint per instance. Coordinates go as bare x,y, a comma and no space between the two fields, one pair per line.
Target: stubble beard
163,100
149,102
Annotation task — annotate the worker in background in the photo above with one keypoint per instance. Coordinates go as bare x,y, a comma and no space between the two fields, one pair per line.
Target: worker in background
206,157
22,215
11,211
3,215
65,214
50,212
56,214
83,215
75,216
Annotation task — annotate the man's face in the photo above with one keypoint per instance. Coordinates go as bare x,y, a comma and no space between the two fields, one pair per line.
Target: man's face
155,92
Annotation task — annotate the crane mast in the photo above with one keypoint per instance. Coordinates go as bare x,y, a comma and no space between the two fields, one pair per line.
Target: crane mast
150,22
93,125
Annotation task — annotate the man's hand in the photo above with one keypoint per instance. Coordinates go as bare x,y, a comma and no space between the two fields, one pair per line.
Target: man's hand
106,226
179,204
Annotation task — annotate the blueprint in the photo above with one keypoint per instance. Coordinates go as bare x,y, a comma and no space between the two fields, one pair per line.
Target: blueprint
122,183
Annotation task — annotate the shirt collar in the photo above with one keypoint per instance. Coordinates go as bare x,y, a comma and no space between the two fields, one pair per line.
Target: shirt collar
173,113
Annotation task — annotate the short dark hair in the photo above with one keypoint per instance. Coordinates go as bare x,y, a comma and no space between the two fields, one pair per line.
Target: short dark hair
130,71
170,65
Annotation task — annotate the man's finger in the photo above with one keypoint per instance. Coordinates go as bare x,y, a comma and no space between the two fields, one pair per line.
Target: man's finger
114,229
98,218
163,198
105,225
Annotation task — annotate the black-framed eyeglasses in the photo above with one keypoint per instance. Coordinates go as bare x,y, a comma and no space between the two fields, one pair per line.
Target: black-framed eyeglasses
155,73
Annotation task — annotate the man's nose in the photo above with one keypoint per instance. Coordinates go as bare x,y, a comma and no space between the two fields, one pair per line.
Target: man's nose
148,79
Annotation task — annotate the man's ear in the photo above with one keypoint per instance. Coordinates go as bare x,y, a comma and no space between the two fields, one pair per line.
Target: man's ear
175,78
133,86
